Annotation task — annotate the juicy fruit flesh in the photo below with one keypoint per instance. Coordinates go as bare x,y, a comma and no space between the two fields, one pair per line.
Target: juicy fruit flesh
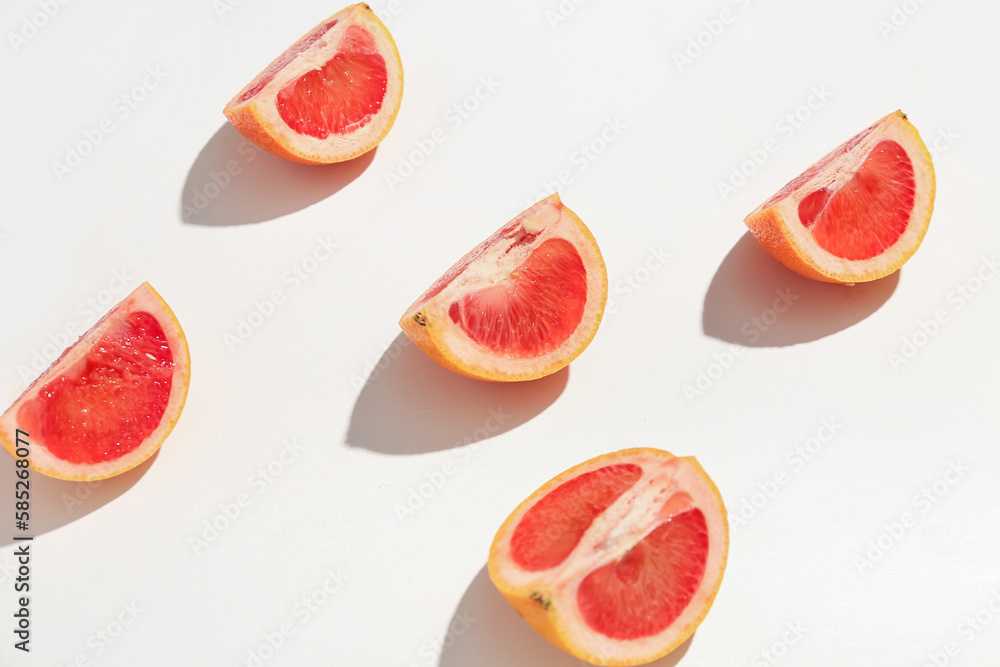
287,57
510,230
551,529
868,213
79,415
534,309
645,591
805,176
342,95
642,592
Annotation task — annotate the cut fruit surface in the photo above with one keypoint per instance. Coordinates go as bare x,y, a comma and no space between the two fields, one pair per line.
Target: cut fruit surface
110,400
521,305
616,561
331,96
859,213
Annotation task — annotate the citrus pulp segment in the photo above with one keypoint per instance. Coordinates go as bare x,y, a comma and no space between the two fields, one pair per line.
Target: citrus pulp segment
331,96
859,213
617,560
521,305
111,399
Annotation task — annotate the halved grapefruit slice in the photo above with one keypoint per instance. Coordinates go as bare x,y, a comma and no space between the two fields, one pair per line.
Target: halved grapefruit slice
859,213
521,305
111,399
329,97
617,560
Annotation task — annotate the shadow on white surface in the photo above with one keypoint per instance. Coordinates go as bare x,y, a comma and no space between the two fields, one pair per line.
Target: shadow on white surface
411,405
754,300
486,632
55,503
232,182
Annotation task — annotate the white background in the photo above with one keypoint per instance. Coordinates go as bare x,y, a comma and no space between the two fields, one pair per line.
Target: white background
363,441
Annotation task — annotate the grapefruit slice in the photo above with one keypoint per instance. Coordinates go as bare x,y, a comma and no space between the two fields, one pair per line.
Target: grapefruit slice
329,97
521,305
617,560
107,404
859,213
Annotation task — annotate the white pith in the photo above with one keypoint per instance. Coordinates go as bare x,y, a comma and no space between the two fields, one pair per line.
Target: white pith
633,516
143,298
314,57
893,127
546,220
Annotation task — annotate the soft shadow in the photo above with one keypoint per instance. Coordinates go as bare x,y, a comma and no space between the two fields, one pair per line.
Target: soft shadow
232,182
755,301
55,503
486,631
412,405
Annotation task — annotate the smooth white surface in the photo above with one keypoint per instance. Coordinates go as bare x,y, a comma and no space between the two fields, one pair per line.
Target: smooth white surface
365,440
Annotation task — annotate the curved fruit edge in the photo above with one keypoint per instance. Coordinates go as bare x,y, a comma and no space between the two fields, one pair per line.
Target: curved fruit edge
537,615
427,339
767,228
544,619
175,405
683,633
249,122
773,232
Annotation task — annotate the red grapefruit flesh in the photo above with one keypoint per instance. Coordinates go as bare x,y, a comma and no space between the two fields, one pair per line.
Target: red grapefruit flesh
521,305
111,399
331,96
859,213
550,287
343,95
618,560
